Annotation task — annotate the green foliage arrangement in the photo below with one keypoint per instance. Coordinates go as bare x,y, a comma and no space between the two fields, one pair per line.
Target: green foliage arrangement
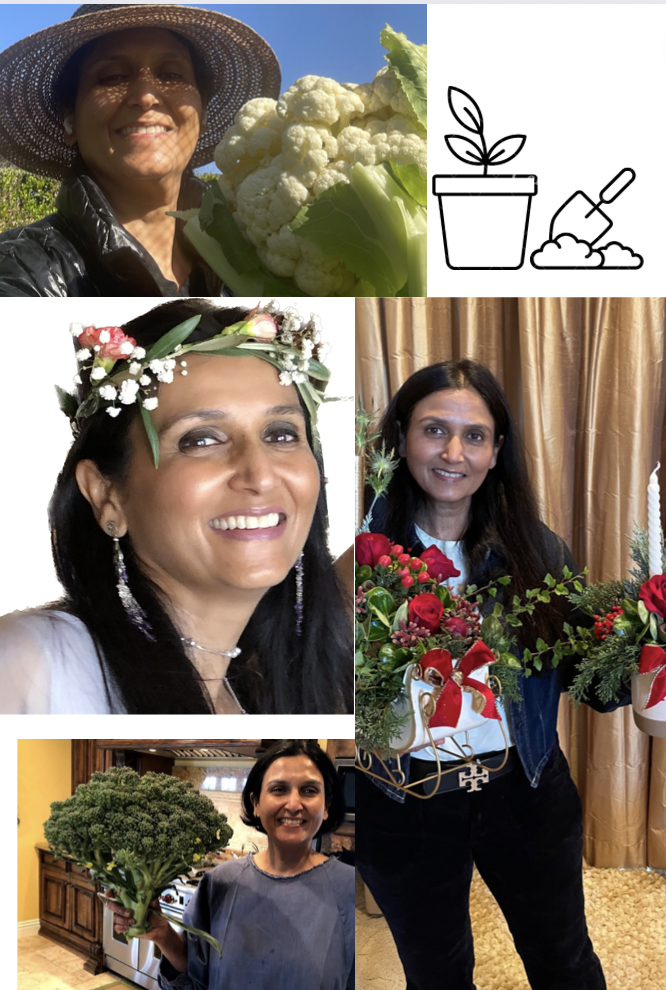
24,198
136,835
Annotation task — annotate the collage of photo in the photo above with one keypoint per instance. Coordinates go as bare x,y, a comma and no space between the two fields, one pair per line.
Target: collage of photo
310,433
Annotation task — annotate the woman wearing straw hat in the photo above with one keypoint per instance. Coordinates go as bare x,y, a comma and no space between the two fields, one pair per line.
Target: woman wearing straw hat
121,102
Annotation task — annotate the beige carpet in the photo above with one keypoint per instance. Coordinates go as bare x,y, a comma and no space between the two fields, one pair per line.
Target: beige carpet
626,913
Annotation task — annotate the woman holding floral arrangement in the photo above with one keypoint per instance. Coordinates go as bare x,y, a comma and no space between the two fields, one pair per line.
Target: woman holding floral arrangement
460,503
189,527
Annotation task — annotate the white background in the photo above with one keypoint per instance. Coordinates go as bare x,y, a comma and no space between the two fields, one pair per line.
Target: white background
587,84
38,353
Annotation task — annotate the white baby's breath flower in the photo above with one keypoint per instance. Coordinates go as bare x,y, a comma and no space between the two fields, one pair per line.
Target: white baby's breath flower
166,377
76,329
169,365
139,353
150,404
98,374
156,366
77,380
135,368
83,354
104,337
145,380
128,391
307,349
108,392
285,377
126,348
113,411
299,377
272,307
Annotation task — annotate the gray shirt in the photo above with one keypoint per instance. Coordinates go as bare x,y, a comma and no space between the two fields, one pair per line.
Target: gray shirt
276,933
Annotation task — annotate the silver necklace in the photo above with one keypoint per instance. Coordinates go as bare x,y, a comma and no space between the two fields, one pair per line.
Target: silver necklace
230,654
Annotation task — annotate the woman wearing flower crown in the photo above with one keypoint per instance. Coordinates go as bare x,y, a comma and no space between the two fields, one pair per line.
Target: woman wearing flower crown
189,528
122,102
462,486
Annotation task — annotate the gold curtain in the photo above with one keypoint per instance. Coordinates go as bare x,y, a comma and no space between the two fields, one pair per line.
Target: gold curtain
586,380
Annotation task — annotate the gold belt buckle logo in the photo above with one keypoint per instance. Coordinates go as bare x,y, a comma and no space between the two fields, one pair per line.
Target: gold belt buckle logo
473,775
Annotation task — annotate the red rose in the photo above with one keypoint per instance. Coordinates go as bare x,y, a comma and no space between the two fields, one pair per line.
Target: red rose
653,594
439,565
456,626
369,547
117,346
426,610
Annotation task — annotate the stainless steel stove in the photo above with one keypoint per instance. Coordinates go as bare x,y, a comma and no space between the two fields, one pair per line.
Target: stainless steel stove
140,960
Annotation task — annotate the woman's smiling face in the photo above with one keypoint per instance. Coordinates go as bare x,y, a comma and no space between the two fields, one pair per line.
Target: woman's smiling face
232,501
138,108
450,444
292,803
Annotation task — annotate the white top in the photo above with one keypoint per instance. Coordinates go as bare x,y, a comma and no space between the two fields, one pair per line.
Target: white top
486,738
49,666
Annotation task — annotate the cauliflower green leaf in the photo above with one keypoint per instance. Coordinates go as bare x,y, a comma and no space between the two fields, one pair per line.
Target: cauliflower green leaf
410,64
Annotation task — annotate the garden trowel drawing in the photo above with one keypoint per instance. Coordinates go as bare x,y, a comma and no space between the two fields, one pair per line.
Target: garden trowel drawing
583,218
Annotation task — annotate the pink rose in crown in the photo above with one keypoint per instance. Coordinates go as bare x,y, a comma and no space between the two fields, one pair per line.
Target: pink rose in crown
113,343
653,594
439,565
262,326
369,547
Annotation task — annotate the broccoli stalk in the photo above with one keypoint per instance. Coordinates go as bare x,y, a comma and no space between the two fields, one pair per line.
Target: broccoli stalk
136,835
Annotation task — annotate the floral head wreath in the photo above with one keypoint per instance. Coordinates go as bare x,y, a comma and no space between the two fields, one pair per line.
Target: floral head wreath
120,373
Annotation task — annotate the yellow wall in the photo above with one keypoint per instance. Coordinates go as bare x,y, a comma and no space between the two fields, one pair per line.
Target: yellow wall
44,775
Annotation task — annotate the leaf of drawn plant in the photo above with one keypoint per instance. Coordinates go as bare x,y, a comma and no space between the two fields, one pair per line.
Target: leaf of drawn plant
468,150
506,149
465,110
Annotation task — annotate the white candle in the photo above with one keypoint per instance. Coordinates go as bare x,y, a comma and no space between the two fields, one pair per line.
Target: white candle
654,524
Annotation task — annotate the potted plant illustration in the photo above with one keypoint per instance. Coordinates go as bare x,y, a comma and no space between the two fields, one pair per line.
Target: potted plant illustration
484,217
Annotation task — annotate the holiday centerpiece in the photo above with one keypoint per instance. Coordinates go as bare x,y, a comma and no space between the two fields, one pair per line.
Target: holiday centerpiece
626,646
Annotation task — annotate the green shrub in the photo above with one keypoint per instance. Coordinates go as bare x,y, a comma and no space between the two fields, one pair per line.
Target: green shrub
24,198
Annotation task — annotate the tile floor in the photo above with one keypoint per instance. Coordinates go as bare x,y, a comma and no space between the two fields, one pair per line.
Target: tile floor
43,965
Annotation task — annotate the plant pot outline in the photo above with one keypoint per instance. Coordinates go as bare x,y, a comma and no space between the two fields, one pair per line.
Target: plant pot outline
485,219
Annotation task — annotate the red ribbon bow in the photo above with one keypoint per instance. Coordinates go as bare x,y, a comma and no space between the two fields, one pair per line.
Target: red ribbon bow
654,658
449,703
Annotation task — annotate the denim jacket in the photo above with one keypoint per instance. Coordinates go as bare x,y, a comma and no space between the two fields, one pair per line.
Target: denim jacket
534,722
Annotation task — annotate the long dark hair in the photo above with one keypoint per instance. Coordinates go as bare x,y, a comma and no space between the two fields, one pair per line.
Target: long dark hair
333,794
278,671
504,534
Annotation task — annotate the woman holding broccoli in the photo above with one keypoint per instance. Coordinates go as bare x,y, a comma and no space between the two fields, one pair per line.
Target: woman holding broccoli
121,102
284,917
462,486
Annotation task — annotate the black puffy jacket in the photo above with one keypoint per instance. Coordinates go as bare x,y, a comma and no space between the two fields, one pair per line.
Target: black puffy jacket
82,250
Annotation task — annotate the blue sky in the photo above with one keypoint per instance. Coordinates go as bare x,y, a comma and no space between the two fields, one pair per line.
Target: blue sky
336,40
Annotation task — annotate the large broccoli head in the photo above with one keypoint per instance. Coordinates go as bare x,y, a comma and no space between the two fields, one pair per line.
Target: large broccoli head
155,825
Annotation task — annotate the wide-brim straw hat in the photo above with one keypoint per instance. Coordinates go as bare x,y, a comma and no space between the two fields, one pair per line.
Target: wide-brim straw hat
240,66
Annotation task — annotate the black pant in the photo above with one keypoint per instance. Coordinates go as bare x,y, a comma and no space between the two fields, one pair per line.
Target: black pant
417,860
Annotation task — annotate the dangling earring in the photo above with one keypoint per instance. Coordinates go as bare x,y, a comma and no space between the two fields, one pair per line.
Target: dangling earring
135,613
204,118
68,125
298,607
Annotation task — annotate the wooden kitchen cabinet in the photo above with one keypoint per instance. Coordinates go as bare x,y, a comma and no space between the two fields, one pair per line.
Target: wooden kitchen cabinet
70,912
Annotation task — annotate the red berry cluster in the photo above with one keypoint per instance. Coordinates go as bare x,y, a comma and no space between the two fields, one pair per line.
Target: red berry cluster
409,569
359,603
604,626
408,634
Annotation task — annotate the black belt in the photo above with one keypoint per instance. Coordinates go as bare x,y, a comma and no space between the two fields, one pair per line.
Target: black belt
466,776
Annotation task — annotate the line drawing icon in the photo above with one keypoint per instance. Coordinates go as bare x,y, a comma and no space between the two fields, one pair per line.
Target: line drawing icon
579,224
484,217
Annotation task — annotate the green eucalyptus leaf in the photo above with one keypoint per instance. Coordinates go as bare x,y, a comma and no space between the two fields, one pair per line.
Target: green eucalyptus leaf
168,343
151,433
